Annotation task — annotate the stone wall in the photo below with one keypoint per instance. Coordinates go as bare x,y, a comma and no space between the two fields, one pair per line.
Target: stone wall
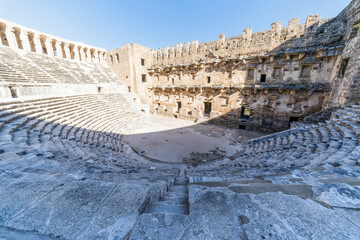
346,84
277,76
130,62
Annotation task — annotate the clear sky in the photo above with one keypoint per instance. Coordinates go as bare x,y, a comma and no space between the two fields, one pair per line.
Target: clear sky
158,23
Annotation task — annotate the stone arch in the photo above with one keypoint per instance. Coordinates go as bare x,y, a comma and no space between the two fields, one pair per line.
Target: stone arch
86,53
111,59
17,37
78,49
72,48
62,44
92,55
3,38
117,57
102,56
31,41
43,45
53,46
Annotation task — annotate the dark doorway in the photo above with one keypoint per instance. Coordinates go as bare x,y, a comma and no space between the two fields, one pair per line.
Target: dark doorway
293,119
207,107
242,127
99,89
179,106
263,78
245,114
13,92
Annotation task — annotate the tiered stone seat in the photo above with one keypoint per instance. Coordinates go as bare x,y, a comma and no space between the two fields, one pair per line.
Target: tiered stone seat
301,148
29,67
89,119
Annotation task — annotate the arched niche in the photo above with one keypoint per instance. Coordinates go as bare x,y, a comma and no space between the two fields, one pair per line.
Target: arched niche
72,48
17,37
62,44
43,44
3,38
31,41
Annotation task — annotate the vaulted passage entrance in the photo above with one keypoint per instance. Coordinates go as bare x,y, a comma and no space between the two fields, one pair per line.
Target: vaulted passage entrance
207,108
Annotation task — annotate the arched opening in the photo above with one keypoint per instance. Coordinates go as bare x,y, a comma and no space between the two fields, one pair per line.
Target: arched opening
53,45
86,53
72,48
31,41
62,44
111,59
117,58
43,45
17,37
92,51
3,38
78,49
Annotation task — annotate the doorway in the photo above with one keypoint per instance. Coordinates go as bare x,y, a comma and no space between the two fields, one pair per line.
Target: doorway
179,106
207,108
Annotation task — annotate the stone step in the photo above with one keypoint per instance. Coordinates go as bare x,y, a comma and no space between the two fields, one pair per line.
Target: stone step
172,208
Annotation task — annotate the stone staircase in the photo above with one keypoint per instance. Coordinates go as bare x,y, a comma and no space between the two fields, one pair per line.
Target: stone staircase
175,201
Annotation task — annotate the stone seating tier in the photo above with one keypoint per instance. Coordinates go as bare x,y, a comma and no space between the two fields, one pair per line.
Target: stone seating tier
17,66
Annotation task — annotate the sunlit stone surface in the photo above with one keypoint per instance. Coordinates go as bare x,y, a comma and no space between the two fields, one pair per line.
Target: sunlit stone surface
82,157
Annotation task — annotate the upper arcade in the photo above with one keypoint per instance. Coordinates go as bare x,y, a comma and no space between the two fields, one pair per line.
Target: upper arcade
17,36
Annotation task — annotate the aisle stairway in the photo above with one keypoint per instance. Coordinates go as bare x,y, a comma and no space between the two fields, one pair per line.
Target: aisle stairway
175,201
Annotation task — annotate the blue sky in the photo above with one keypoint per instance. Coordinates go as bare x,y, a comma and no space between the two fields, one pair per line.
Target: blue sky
158,23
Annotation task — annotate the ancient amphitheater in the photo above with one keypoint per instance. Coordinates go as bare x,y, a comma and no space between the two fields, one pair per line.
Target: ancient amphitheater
249,137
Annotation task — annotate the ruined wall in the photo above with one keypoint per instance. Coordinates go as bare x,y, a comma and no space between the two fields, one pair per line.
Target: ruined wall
130,62
277,76
346,84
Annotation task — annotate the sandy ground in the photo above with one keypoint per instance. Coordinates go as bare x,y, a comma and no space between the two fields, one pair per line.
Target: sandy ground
174,140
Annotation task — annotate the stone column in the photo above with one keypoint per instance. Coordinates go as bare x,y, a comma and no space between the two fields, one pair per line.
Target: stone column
49,48
186,49
58,49
82,54
88,55
96,57
172,52
179,49
37,43
25,40
101,57
221,41
10,36
194,47
67,51
76,53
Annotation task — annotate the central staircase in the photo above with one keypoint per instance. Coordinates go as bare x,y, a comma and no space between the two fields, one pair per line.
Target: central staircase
175,201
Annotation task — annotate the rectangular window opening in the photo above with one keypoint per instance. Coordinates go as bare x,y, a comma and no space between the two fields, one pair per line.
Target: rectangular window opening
262,78
142,62
143,77
207,108
305,71
343,67
277,72
355,29
208,79
250,74
179,106
245,114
